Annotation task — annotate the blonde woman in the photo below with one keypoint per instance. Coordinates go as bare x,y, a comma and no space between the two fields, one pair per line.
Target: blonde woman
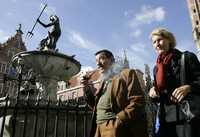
168,91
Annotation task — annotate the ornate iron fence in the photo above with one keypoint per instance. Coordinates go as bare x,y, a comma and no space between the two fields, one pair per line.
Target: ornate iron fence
28,117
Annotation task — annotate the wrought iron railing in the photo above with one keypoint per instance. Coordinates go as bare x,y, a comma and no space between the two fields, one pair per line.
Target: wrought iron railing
29,117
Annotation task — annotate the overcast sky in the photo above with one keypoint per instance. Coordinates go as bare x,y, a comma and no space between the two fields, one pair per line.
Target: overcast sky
90,25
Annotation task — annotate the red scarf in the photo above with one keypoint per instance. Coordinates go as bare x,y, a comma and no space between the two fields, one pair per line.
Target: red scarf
162,61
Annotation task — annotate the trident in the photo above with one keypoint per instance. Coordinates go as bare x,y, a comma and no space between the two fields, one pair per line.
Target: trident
30,33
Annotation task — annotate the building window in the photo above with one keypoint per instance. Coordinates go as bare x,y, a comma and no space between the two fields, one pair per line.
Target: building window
0,67
11,53
7,69
3,67
1,88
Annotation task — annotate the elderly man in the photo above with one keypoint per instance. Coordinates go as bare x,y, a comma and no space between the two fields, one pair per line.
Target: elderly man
118,104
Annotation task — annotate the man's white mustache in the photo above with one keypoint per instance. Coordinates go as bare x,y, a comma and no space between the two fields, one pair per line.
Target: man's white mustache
100,67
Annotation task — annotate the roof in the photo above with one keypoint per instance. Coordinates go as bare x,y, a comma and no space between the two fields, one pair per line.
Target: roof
15,41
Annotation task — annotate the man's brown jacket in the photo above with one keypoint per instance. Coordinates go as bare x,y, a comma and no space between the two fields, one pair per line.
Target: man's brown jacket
128,103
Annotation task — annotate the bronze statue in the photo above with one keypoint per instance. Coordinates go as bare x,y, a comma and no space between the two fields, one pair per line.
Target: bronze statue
53,34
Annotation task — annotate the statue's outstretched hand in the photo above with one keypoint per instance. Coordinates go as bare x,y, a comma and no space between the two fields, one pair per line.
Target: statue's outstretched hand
38,20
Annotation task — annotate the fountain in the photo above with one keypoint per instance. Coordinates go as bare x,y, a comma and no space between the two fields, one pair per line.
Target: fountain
47,67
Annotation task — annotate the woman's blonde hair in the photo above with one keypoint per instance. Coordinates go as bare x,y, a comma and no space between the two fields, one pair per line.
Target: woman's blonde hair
166,34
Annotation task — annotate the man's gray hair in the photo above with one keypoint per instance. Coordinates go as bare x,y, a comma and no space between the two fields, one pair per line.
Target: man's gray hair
107,53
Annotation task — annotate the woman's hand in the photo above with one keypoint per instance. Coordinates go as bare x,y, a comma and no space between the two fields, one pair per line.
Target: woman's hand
180,93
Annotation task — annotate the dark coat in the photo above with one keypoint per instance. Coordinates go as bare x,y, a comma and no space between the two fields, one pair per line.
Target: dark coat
192,71
173,81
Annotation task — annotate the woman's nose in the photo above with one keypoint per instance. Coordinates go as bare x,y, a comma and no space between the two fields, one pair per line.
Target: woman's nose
157,44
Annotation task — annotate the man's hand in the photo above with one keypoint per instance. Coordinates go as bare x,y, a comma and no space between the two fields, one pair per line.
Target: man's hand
180,93
118,122
85,82
153,93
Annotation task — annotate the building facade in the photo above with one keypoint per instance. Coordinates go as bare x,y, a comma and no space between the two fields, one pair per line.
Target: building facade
8,49
194,10
74,89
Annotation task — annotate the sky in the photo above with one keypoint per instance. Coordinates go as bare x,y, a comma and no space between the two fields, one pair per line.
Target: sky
90,25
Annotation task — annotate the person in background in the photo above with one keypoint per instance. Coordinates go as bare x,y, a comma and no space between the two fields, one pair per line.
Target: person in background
168,90
118,104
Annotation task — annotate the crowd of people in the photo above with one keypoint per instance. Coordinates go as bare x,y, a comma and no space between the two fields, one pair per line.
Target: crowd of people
118,104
